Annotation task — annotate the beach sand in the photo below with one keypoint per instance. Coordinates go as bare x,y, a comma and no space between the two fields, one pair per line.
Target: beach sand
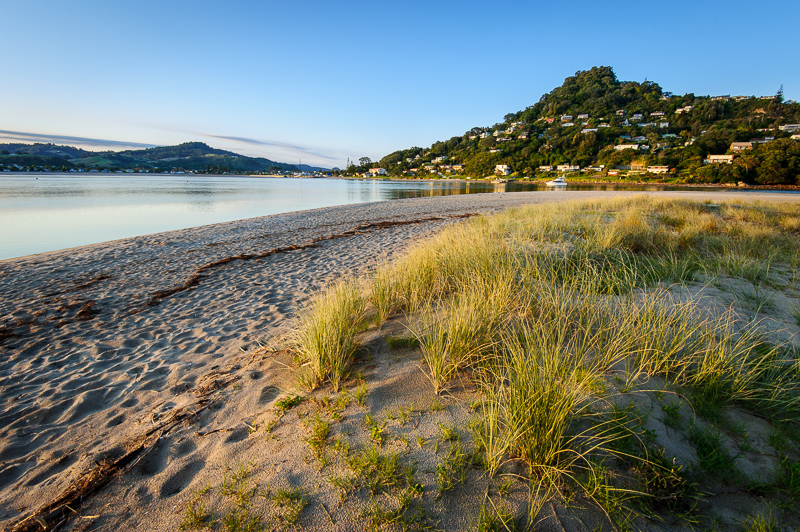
142,370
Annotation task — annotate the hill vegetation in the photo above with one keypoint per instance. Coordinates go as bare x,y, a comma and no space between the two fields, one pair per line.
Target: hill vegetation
585,121
196,157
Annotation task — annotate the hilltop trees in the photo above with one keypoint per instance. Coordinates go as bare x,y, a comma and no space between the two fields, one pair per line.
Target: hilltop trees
583,120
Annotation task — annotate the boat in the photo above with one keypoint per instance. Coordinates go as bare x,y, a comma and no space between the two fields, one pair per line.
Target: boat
557,182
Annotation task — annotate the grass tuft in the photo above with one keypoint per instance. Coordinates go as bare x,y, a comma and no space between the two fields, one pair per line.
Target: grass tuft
325,335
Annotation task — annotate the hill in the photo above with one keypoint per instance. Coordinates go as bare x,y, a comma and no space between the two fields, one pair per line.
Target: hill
197,157
597,122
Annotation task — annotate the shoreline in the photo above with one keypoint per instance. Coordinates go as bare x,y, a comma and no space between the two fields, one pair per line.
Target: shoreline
99,344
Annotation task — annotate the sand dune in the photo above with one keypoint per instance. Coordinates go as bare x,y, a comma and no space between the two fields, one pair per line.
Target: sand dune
147,350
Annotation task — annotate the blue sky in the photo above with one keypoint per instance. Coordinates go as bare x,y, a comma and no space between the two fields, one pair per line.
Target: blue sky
323,81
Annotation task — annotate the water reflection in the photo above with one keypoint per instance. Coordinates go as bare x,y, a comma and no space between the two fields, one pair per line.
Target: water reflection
60,211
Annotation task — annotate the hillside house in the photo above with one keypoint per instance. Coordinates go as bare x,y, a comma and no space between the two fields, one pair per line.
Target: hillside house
636,117
657,113
739,146
377,171
566,118
663,124
568,168
620,147
583,116
523,135
485,134
502,169
790,128
658,169
621,112
546,168
440,159
588,130
567,124
718,159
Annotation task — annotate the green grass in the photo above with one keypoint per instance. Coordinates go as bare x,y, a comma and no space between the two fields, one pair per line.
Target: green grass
453,468
325,334
290,502
557,311
380,472
197,516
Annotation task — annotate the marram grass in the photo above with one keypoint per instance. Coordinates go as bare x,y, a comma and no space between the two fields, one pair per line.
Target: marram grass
543,304
325,335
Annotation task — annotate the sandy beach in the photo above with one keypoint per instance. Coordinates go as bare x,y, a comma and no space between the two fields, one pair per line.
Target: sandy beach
144,365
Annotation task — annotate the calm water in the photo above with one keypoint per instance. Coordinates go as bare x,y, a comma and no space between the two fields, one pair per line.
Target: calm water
51,212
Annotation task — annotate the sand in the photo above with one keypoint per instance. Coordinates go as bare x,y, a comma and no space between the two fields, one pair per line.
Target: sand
144,369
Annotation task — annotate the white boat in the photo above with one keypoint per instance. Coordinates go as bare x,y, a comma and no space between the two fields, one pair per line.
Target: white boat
557,182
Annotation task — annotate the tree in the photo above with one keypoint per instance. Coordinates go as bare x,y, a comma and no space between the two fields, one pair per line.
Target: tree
364,161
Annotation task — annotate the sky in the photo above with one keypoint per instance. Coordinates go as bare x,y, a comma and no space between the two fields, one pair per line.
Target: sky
320,81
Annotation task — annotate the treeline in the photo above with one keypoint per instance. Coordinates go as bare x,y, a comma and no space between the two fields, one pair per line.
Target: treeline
667,129
196,157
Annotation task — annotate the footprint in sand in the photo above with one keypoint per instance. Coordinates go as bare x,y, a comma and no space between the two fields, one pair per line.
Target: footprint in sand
182,478
268,394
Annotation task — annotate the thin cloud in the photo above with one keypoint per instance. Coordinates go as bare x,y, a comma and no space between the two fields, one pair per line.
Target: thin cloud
65,139
257,142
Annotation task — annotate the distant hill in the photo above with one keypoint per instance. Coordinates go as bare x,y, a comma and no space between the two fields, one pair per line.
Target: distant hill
194,156
594,119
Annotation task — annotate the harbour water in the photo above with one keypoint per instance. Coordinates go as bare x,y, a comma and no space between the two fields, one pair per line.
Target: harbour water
47,212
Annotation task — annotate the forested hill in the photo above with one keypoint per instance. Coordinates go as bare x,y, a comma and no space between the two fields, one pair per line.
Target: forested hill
595,120
190,156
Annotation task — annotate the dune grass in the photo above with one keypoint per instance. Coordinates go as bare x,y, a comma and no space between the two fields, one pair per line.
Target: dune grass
555,310
325,336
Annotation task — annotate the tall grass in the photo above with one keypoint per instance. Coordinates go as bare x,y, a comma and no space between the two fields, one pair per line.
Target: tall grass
543,304
325,336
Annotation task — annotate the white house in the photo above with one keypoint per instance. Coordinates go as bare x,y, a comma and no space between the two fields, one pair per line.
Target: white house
502,169
440,159
658,169
588,130
566,118
546,168
583,116
620,147
568,168
790,128
567,124
718,159
657,113
377,171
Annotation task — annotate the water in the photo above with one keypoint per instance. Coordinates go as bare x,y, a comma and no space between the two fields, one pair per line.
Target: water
50,212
